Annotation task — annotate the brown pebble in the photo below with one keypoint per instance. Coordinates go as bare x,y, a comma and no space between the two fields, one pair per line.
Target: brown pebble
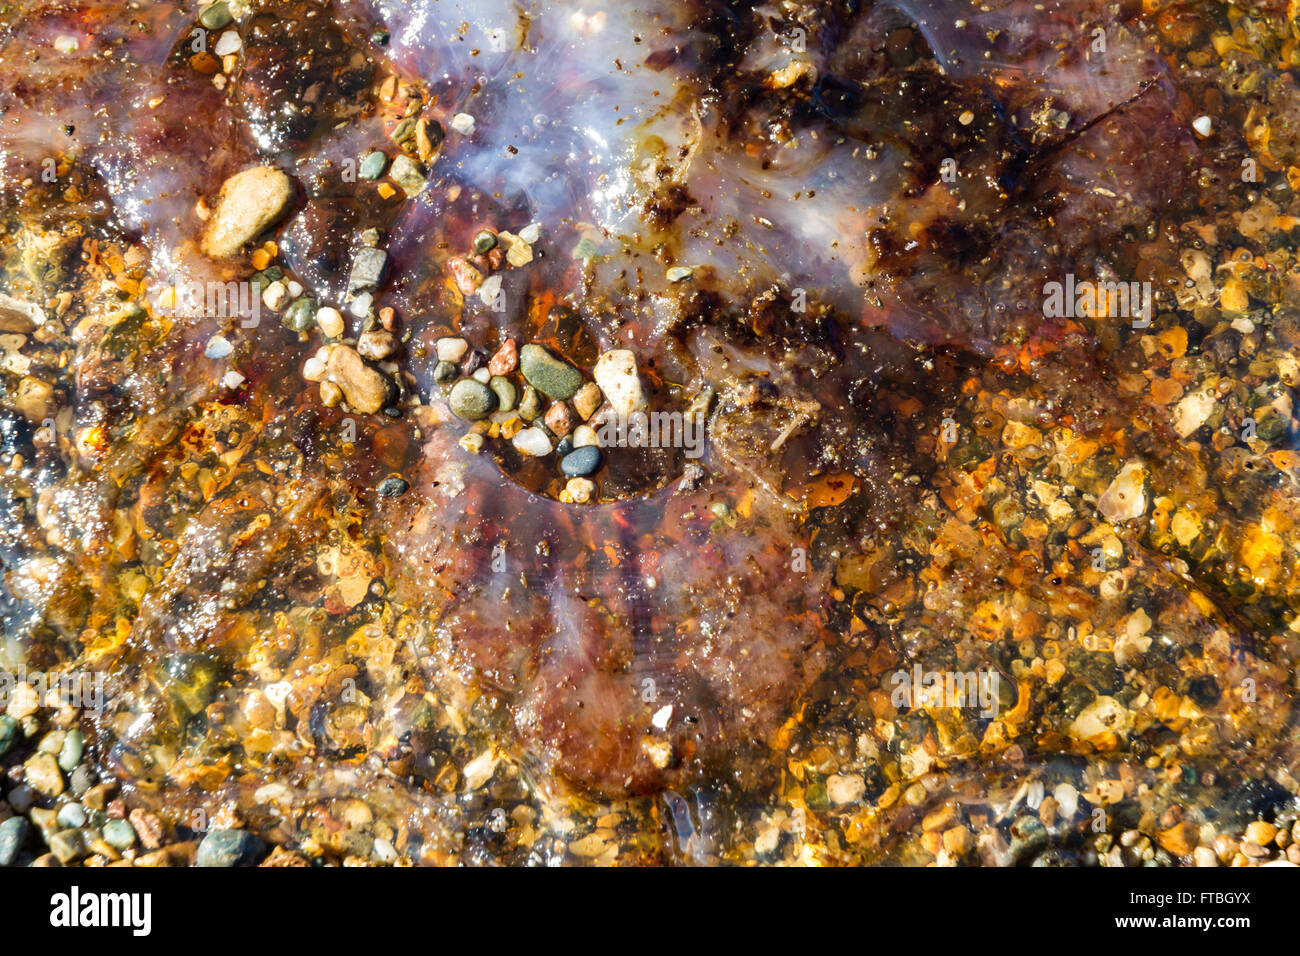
376,345
1261,833
148,828
1254,851
506,359
1293,853
559,419
388,318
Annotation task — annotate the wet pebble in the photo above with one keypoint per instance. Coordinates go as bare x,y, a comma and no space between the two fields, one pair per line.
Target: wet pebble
551,376
451,349
393,487
8,733
373,166
74,746
506,392
71,815
445,372
248,203
12,834
119,834
581,462
532,441
43,774
471,400
225,848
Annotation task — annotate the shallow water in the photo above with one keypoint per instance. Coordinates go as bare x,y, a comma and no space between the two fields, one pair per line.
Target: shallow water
827,228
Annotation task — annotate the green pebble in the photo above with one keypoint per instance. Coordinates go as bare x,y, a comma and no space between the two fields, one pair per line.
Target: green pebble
373,166
471,400
505,391
485,241
551,376
403,130
531,404
444,372
216,16
119,834
74,745
301,316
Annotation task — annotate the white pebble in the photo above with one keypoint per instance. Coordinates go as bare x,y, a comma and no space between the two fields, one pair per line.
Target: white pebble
276,296
227,44
585,435
1203,125
360,306
662,716
532,441
232,380
218,347
483,375
330,321
313,370
451,349
616,375
463,123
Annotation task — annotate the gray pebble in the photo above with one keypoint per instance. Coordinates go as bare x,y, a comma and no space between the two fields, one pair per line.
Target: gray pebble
471,400
12,834
229,848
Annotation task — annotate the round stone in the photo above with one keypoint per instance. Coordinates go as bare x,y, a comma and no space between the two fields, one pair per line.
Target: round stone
229,848
471,400
216,16
581,462
119,834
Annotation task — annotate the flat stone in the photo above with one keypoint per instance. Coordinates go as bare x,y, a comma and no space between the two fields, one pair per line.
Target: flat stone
226,848
581,462
551,376
471,400
249,202
368,267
